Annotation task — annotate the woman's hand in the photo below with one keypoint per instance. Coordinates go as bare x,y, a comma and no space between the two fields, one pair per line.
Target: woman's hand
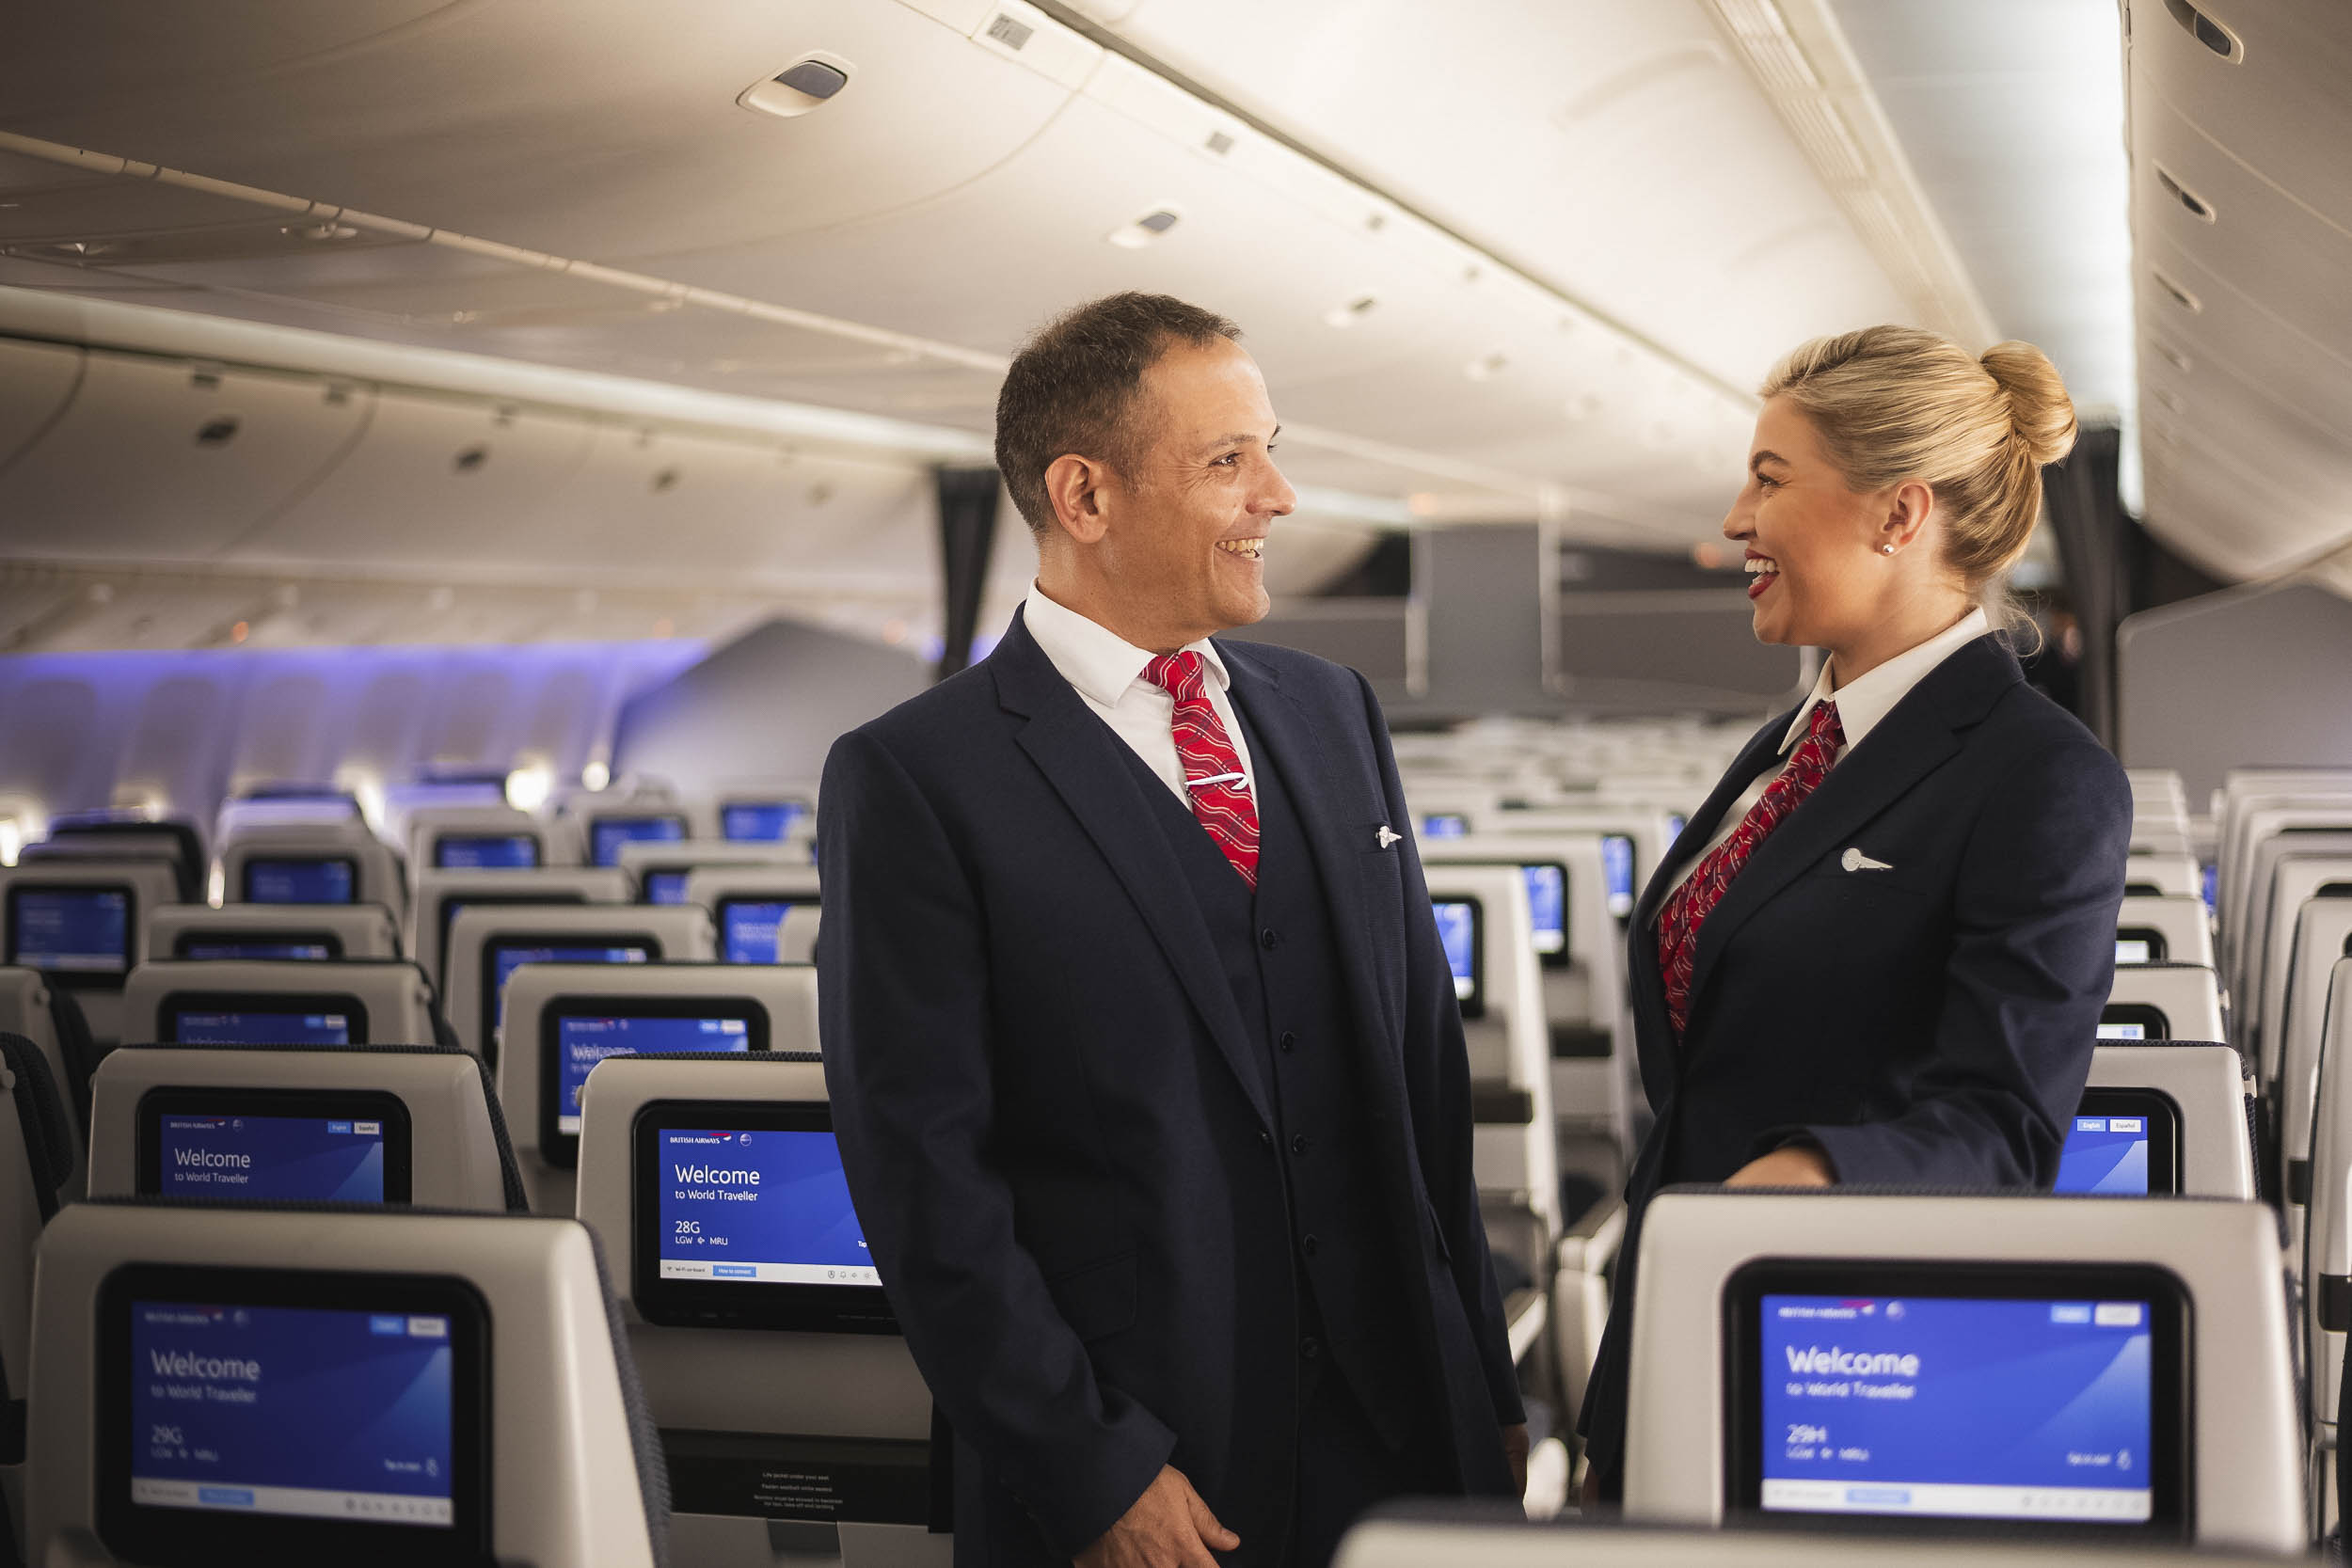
1790,1165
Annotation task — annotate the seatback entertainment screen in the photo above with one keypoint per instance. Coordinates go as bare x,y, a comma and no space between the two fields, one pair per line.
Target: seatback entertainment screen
606,834
486,851
274,1144
1445,824
665,887
1461,932
507,956
748,927
70,930
759,821
2121,1142
300,881
204,1024
1617,865
1548,904
2050,1397
273,948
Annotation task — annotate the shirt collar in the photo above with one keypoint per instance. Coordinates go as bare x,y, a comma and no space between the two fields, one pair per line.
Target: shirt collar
1101,664
1865,700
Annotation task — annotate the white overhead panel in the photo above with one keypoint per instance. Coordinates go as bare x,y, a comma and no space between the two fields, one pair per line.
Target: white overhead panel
36,379
2242,216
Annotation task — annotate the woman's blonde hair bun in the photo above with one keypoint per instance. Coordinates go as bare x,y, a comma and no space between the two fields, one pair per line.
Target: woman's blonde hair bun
2038,403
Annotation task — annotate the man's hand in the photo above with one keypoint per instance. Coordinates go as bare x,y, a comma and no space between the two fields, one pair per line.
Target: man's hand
1170,1527
1790,1166
1515,1449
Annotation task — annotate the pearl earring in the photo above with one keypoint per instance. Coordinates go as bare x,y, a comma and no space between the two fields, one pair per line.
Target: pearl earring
1886,550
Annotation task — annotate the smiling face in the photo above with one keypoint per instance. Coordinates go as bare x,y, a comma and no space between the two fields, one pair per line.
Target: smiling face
1818,576
1181,542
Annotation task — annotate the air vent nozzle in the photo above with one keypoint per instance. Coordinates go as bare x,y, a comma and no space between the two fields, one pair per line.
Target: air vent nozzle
2181,297
808,83
2198,206
2206,30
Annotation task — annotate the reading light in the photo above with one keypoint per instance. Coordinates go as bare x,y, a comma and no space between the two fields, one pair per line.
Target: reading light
527,787
12,840
809,83
594,777
1351,312
1150,226
216,887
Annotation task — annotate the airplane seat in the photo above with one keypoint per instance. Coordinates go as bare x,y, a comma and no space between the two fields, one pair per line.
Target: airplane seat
82,922
490,1344
2163,1000
762,811
1461,1535
483,838
291,932
661,866
333,863
272,1001
2327,1261
2161,1117
1488,935
409,1124
39,1157
47,1016
2163,928
442,895
2323,934
108,836
749,905
2321,867
795,934
2167,876
1812,1353
489,942
755,1361
2311,824
562,1018
600,823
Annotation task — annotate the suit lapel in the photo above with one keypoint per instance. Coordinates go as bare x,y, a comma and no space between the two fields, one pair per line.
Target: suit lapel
1078,753
1919,734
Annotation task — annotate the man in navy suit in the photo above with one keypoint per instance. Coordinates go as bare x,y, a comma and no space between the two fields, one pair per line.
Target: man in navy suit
1144,1056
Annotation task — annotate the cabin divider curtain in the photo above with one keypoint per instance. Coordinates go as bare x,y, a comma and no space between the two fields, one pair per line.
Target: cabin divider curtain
2096,540
967,537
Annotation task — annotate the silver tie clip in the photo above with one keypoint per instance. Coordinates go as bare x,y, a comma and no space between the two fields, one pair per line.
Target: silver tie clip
1217,777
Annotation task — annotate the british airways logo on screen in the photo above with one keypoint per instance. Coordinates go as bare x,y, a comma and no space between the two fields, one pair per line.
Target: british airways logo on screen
214,1369
1846,1363
716,1176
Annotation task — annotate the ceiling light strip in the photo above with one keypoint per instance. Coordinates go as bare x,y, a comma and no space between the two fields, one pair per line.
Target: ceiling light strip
1795,51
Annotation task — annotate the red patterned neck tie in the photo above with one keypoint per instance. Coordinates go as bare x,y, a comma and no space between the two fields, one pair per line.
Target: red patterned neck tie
1212,776
1687,910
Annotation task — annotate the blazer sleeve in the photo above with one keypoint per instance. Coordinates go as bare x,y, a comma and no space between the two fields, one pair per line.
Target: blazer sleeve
903,997
2033,957
1437,1072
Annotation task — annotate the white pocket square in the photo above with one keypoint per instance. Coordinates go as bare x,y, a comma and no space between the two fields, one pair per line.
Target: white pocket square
1855,860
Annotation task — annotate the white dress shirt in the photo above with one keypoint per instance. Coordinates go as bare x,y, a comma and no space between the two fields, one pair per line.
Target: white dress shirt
1107,671
1862,702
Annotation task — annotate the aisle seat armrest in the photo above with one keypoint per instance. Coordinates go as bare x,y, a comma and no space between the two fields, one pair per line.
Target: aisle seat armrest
1591,1243
1525,1312
1496,1104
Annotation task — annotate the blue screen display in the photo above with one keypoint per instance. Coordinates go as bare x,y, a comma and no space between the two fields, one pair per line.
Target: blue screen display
1547,900
1616,865
1458,931
609,832
582,1042
759,821
495,852
505,960
1445,824
292,1410
76,932
233,947
2105,1154
760,1206
297,882
665,887
1935,1405
749,928
291,1158
2123,1031
247,1027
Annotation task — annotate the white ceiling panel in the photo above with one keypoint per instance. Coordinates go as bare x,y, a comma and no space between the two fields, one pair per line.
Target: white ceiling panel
36,379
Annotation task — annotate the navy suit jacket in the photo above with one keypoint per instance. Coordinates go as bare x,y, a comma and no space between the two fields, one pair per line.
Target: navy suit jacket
1059,1148
1927,1024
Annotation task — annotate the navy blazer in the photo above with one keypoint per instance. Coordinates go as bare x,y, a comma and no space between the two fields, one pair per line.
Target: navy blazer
1059,1148
1927,1024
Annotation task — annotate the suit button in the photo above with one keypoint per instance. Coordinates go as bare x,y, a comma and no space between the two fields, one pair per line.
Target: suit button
1308,1246
1269,940
1298,1146
1310,1347
1289,1042
1265,1137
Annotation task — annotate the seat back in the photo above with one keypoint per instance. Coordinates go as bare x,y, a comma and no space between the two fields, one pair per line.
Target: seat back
2173,929
2320,866
1815,1354
816,1382
497,1330
748,904
2322,935
37,1156
560,1020
2167,1117
601,824
419,1124
29,1010
285,932
441,893
2173,876
310,862
483,838
2167,1001
1401,1537
762,811
82,922
488,941
796,936
263,1002
2245,882
1622,825
660,866
2328,1219
107,835
1484,922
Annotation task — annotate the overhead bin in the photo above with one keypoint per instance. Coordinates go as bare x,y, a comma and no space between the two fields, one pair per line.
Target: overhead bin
713,504
155,459
36,379
426,480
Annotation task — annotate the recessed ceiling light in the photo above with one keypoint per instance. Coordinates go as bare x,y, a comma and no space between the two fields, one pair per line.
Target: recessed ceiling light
1354,310
808,83
1150,226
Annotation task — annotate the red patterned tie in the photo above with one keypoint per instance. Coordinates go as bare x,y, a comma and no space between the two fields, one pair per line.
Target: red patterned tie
1687,910
1213,775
